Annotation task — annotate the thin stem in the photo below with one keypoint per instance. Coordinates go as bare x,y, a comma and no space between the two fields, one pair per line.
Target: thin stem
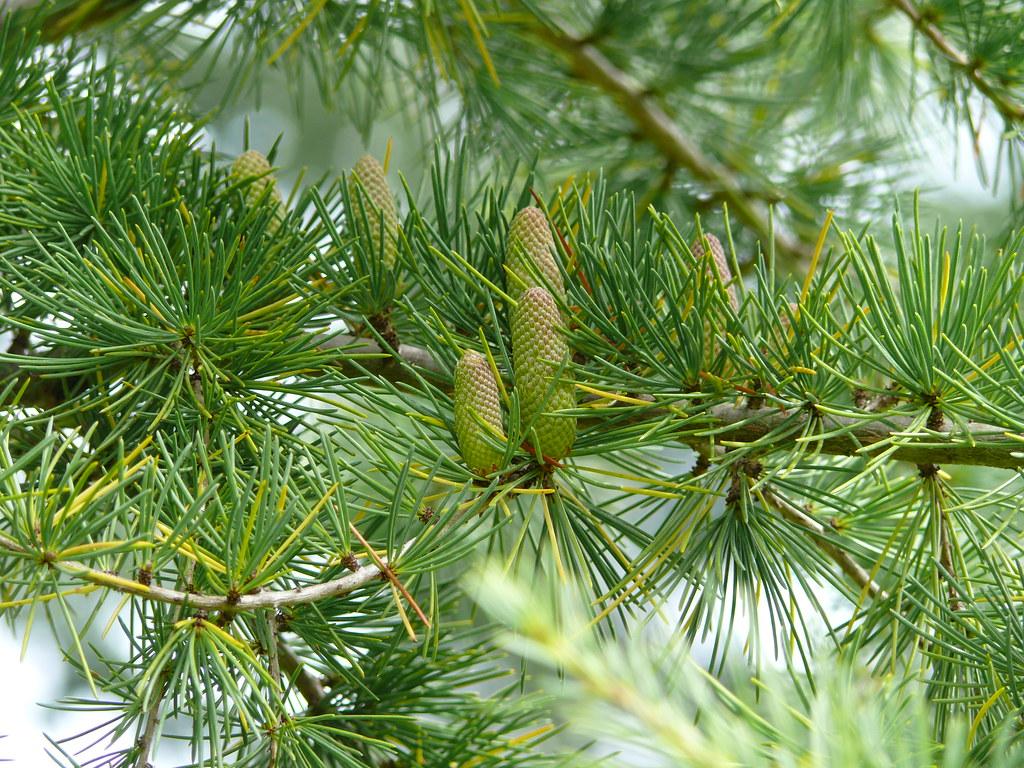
592,66
821,538
1009,109
946,560
930,472
275,674
145,743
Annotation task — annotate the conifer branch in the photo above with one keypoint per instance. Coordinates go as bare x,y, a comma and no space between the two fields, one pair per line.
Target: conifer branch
377,361
592,66
988,446
206,602
972,69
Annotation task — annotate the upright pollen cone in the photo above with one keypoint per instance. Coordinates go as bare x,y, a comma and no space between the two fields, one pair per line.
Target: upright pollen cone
253,165
530,256
371,196
543,381
476,401
721,265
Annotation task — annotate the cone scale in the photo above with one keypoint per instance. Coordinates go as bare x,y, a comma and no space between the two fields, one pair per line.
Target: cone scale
253,166
530,255
371,196
476,400
539,354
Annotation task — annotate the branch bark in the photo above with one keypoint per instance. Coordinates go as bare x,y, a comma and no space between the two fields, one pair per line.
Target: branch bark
592,66
202,602
375,360
145,743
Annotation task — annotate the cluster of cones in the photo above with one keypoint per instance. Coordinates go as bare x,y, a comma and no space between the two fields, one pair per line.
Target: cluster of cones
535,285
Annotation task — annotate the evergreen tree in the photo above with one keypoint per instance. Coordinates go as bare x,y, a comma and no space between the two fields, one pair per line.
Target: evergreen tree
621,421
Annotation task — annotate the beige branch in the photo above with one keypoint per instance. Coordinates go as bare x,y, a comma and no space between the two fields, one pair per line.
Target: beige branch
202,602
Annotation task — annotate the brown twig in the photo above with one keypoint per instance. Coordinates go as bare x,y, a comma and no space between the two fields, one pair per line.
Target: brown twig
946,561
275,674
929,475
145,742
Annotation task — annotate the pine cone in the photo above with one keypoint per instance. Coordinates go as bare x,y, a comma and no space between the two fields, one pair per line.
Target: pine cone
538,352
530,255
253,165
476,397
721,265
370,195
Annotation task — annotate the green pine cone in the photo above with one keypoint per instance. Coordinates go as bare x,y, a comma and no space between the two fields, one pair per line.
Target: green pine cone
370,194
538,352
531,255
253,165
721,265
476,399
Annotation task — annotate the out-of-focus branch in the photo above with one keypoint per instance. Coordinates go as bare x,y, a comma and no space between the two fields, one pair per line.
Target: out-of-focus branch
1009,109
306,682
10,6
592,66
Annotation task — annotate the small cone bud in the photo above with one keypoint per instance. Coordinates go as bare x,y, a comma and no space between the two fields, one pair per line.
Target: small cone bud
476,399
253,165
538,352
721,265
530,255
371,196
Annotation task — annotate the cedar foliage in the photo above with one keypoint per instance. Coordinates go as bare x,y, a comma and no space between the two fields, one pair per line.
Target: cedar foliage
742,466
